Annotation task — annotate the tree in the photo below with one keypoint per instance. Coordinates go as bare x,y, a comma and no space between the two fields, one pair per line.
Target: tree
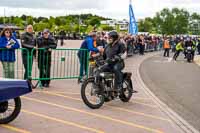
30,20
94,21
76,28
41,26
18,21
23,17
173,21
57,21
106,27
89,28
195,16
1,20
181,21
43,19
146,25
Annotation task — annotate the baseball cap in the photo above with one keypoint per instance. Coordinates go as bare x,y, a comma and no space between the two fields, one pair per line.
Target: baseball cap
45,31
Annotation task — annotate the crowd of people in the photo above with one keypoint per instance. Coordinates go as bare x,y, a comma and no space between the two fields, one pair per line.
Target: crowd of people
44,43
137,44
95,42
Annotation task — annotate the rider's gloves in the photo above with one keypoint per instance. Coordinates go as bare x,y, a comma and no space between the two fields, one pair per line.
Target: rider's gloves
117,58
110,61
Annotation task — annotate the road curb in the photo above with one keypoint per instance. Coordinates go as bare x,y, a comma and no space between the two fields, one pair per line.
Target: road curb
176,119
197,59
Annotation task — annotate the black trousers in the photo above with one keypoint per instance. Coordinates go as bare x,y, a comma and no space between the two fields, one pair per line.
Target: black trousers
61,40
44,65
142,49
166,53
82,55
27,60
176,54
117,70
198,48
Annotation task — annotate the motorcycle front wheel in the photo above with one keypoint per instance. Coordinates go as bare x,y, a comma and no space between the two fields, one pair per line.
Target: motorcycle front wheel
90,94
189,58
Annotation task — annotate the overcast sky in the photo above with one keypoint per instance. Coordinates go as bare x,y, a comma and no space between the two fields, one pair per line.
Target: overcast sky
108,8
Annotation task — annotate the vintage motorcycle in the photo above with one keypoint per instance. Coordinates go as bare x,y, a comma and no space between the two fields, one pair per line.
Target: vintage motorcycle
99,87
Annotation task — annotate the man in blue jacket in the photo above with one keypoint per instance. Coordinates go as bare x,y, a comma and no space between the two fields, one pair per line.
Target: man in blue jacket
86,46
8,44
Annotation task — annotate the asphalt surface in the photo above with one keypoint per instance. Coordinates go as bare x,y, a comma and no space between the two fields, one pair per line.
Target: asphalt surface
176,83
60,109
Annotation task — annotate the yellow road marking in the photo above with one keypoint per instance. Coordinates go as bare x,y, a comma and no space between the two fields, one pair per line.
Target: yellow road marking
15,129
58,92
144,104
142,98
75,93
62,121
96,115
78,99
139,113
117,108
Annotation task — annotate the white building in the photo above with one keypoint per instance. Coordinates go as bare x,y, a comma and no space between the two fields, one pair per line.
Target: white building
123,24
195,26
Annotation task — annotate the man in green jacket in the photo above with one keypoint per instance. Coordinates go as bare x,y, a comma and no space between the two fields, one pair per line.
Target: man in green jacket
179,48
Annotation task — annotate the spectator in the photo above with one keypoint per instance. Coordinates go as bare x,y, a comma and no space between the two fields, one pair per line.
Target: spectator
88,44
198,46
7,55
28,42
62,37
141,44
100,40
166,47
14,34
160,43
47,43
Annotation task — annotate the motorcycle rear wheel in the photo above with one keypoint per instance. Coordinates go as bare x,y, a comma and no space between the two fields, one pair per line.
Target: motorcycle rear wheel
127,91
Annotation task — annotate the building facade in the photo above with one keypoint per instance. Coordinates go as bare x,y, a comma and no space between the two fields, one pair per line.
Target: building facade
121,25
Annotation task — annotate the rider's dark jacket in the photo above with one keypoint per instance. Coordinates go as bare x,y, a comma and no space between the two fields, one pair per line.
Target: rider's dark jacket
114,51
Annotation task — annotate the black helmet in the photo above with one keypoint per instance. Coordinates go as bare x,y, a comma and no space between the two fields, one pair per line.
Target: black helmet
113,34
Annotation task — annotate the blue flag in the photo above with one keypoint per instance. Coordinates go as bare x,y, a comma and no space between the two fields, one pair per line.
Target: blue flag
133,28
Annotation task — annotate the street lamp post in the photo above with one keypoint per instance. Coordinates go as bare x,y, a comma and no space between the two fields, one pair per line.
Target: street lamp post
4,21
79,24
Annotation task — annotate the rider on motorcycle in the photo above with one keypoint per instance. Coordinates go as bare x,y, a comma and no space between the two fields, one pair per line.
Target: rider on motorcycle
113,57
189,43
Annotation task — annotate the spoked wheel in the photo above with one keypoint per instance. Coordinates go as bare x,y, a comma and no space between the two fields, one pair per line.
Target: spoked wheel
9,110
90,94
127,91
